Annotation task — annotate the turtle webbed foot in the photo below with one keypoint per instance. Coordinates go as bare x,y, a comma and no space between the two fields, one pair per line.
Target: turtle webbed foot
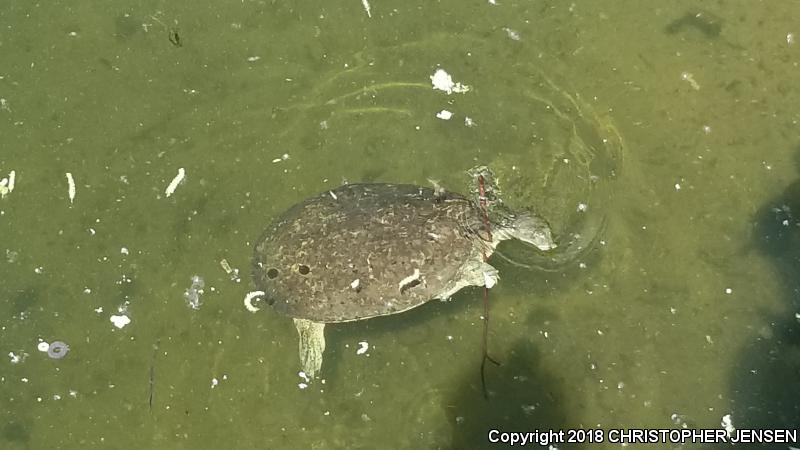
312,345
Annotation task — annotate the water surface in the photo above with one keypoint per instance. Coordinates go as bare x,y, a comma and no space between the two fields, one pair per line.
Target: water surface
676,127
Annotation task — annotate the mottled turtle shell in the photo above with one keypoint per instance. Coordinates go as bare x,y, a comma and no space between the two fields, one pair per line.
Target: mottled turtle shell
365,250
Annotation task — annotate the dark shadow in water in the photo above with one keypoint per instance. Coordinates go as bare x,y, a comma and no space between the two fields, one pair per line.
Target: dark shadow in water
15,435
522,397
766,379
336,334
704,22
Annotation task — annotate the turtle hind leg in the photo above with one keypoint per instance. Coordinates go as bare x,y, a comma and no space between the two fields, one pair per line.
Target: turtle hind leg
312,345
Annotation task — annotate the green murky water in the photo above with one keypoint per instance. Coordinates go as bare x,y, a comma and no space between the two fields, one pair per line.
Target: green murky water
676,127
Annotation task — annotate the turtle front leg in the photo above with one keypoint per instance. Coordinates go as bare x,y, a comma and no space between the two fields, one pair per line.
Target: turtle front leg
312,345
474,273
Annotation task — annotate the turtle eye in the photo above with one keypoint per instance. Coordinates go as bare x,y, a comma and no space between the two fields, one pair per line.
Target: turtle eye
303,269
272,273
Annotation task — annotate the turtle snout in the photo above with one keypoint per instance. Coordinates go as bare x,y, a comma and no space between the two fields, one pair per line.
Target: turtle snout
543,240
533,230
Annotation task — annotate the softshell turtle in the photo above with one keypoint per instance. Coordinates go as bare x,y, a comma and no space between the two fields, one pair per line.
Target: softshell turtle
367,250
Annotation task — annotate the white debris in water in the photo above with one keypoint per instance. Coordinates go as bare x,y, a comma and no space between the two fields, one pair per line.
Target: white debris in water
493,2
333,196
444,82
7,184
409,279
679,419
215,381
790,38
469,122
120,321
248,300
232,272
192,295
283,157
689,78
124,251
513,35
175,182
58,349
728,291
98,310
354,285
15,359
366,8
677,187
582,207
488,280
363,346
727,424
43,346
253,58
303,384
708,339
70,187
444,114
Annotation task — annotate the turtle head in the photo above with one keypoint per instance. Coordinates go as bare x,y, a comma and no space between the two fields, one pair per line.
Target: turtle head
528,227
